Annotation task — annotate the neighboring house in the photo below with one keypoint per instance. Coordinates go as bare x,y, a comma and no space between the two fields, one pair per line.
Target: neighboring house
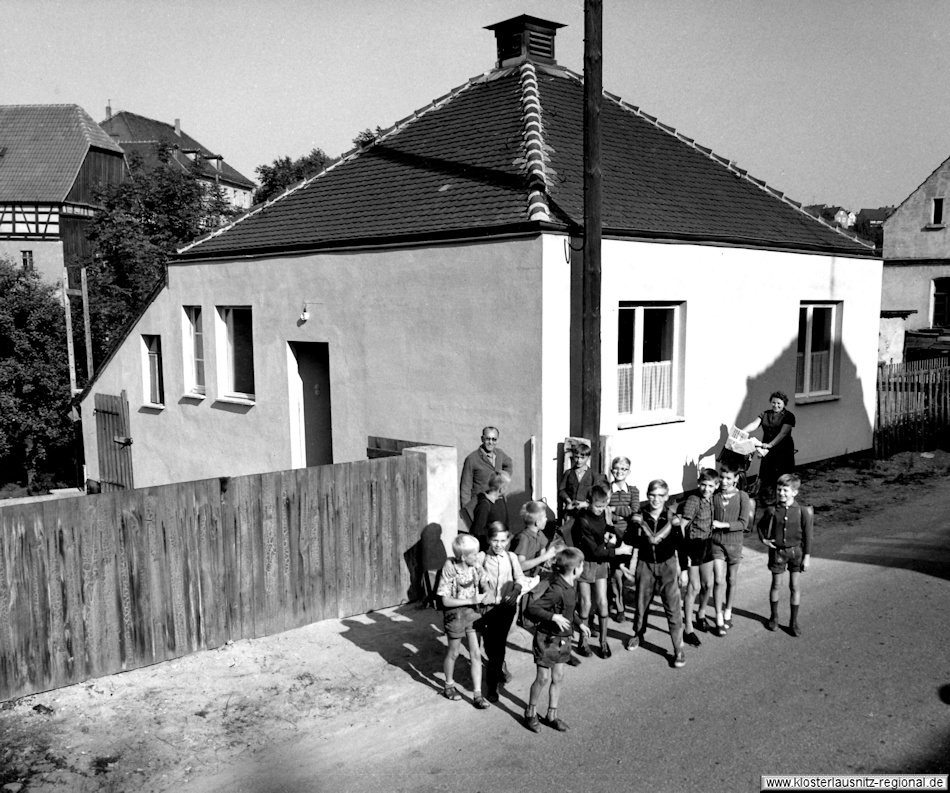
833,214
917,267
428,284
142,136
53,160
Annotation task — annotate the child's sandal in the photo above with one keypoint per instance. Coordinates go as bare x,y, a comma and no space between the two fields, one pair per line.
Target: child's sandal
481,703
451,692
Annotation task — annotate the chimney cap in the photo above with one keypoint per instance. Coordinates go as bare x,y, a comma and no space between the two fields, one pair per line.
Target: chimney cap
524,37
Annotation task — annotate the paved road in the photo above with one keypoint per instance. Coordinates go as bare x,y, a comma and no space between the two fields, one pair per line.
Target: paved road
866,689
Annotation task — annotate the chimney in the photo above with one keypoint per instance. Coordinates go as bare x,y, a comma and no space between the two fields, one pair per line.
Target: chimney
109,109
524,38
178,127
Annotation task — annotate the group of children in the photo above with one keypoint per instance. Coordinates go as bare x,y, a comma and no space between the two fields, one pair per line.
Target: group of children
606,539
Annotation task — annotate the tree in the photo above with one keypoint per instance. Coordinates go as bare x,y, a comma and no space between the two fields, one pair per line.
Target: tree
284,172
142,222
35,429
367,136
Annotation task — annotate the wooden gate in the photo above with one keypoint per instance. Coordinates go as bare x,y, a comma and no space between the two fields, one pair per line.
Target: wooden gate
115,441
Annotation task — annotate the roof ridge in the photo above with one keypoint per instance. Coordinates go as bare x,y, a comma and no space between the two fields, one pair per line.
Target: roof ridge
730,165
536,160
345,157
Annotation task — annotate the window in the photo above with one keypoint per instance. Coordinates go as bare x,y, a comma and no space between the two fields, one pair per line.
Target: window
819,333
152,369
941,312
27,258
649,359
236,352
937,218
193,351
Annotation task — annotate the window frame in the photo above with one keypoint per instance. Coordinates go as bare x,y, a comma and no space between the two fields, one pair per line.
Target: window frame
937,211
28,261
194,358
153,376
226,361
637,415
806,392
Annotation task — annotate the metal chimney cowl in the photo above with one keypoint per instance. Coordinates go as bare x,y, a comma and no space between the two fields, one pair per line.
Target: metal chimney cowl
524,38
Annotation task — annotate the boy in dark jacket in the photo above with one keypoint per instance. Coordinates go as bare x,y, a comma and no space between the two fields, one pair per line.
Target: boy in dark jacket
553,610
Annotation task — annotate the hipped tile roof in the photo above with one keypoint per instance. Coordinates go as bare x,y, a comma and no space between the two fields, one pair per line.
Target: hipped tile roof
44,147
140,135
497,155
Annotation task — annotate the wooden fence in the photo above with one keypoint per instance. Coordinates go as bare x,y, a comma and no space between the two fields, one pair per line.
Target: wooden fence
99,584
913,407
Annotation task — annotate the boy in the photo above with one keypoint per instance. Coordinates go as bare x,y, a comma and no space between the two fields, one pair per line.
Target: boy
733,512
696,523
786,529
554,612
576,483
624,504
531,546
592,538
462,588
659,558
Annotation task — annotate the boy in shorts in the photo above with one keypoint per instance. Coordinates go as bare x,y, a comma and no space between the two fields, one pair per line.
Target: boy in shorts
554,612
786,529
462,588
696,523
733,512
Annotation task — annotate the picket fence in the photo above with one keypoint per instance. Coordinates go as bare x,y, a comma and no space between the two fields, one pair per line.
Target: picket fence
913,407
104,583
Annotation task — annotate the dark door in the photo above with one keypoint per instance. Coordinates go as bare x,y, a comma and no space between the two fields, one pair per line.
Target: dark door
313,366
114,441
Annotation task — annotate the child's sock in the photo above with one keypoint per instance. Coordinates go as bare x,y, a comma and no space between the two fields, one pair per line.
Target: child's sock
530,710
773,620
552,714
727,614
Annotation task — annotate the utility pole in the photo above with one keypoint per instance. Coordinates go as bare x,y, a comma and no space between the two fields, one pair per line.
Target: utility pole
593,196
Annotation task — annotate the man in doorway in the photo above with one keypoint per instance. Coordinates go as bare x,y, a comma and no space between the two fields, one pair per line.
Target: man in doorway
478,468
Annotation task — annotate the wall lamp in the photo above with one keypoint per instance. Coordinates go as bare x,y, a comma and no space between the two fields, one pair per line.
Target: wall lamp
305,311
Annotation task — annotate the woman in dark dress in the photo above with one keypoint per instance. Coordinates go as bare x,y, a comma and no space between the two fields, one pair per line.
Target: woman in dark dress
777,449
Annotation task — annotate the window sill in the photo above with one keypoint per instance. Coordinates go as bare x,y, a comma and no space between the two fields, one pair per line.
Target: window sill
934,227
631,422
236,400
158,408
809,400
193,396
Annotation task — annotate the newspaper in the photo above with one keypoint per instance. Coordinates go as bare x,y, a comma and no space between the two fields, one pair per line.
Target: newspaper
740,442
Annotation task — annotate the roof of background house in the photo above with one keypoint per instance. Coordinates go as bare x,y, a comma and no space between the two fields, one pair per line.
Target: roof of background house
503,153
141,135
878,215
43,148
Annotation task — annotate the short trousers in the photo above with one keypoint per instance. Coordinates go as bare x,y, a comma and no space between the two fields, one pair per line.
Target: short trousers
550,650
459,620
779,558
727,545
699,551
594,571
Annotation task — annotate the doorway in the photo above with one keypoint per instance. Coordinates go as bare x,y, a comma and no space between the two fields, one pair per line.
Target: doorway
310,419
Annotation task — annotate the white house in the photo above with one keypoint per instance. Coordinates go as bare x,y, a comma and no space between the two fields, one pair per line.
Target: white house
427,284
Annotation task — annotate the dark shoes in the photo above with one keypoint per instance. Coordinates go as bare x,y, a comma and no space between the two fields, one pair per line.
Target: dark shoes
573,661
451,692
633,642
481,703
720,630
691,639
795,628
771,625
605,650
584,650
532,722
492,696
555,724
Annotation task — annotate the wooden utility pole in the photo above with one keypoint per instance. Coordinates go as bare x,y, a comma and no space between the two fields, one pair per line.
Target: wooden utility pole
593,195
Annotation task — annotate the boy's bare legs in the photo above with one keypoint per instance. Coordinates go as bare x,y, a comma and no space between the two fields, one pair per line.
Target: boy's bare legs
475,658
531,712
616,592
719,592
603,611
692,588
705,590
774,592
448,665
796,598
732,585
583,611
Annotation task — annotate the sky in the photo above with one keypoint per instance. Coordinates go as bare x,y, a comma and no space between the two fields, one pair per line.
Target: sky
840,103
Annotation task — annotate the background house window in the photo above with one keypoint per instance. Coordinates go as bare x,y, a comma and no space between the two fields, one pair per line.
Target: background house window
27,258
236,352
152,360
193,350
937,219
819,340
649,360
941,312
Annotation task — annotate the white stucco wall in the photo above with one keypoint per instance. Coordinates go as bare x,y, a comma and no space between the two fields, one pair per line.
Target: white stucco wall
740,345
890,347
427,345
908,233
909,287
47,257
